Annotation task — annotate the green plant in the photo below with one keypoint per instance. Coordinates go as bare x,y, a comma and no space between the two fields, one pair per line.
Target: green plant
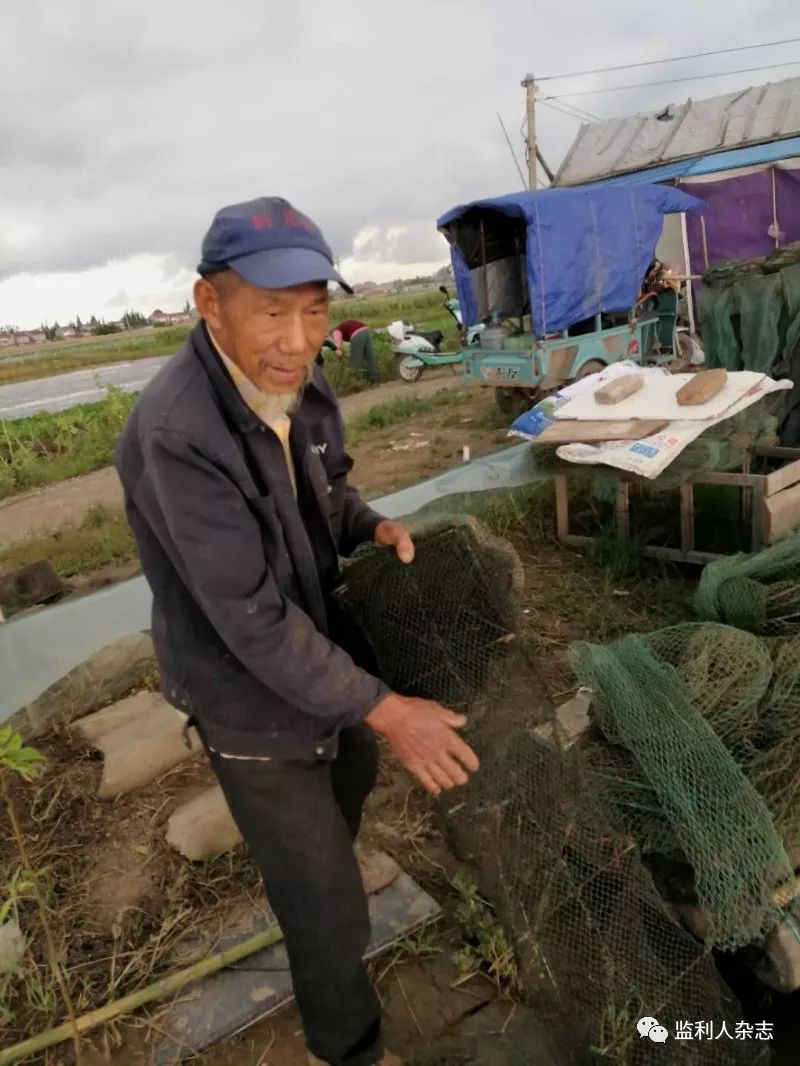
102,539
422,943
486,947
387,414
16,757
28,763
49,447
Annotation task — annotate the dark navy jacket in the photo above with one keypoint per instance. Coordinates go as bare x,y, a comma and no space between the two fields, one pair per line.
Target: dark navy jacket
240,569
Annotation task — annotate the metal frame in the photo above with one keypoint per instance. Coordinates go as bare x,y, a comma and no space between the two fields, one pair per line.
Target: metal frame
761,486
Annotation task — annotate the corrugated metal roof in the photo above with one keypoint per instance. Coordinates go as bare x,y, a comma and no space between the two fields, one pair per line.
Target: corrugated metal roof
760,115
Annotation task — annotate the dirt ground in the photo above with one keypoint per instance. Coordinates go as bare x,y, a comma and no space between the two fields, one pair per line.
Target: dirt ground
123,907
39,512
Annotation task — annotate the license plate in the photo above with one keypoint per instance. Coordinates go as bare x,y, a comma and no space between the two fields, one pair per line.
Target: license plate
499,373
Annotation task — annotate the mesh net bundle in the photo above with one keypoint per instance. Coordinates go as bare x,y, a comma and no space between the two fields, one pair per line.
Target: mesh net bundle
684,703
759,593
585,840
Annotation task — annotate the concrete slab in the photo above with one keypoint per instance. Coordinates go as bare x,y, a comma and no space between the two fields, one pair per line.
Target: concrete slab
231,1001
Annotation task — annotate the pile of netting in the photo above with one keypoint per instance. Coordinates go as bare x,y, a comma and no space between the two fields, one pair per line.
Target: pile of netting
749,314
701,762
562,827
759,593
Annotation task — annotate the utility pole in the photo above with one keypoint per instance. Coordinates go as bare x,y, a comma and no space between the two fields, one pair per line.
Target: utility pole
529,85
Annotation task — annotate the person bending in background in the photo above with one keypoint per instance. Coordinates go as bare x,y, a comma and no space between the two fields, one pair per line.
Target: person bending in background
362,353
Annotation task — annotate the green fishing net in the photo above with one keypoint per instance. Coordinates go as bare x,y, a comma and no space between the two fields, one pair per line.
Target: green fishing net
759,593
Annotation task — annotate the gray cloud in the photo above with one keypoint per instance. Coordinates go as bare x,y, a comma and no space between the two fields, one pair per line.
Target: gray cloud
126,125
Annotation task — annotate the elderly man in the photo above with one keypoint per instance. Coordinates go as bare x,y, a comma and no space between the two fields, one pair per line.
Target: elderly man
236,485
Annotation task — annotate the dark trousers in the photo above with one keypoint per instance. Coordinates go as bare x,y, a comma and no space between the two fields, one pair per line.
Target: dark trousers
362,356
299,821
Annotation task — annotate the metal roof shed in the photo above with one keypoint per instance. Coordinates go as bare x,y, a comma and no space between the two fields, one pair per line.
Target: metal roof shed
739,153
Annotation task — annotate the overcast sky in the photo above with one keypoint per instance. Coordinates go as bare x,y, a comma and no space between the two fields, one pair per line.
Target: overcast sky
125,125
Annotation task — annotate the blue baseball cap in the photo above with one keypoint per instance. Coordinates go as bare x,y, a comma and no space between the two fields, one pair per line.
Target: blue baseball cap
270,244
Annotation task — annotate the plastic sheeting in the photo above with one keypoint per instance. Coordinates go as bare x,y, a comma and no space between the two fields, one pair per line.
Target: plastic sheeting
586,250
39,649
740,217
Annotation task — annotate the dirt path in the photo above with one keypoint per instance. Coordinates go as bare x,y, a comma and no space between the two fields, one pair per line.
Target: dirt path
44,510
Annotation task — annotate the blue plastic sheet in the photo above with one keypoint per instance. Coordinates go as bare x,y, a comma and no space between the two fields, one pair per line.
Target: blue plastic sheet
587,249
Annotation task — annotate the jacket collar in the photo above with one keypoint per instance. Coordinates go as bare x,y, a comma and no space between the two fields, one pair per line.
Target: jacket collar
316,402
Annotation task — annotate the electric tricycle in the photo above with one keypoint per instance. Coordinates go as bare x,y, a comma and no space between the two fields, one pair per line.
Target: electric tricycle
568,282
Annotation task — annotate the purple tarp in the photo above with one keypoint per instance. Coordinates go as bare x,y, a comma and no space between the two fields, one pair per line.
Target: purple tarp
739,214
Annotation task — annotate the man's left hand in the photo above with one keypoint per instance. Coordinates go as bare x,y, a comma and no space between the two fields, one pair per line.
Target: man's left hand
396,535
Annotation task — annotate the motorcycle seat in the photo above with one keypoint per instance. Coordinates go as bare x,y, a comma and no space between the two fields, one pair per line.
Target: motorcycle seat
433,336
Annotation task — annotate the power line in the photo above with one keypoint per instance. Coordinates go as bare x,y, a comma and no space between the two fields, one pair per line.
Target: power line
670,81
673,59
579,117
570,109
511,149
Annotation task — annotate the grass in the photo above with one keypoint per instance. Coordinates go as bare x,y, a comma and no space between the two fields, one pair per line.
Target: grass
102,539
417,308
388,414
48,448
487,948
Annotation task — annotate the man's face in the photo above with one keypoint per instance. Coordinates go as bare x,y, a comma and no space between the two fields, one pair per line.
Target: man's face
271,334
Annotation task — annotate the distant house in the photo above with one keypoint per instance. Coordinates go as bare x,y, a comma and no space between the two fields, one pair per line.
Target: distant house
36,337
6,340
166,318
65,332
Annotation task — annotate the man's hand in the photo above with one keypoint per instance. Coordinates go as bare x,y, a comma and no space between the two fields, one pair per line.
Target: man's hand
422,736
395,535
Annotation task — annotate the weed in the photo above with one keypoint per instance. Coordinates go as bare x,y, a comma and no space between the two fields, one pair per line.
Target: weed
404,407
48,447
486,946
102,539
422,943
27,763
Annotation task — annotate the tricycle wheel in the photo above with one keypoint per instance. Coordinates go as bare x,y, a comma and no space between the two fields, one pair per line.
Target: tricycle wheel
406,368
684,354
512,402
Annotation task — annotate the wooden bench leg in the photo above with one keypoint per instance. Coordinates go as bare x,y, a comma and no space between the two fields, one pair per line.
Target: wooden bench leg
562,507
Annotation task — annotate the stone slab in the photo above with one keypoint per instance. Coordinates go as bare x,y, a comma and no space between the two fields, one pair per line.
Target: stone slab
229,1002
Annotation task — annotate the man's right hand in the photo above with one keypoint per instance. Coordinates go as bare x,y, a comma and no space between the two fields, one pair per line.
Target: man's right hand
422,734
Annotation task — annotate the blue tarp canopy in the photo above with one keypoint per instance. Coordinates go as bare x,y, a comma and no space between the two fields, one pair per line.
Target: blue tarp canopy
586,249
714,163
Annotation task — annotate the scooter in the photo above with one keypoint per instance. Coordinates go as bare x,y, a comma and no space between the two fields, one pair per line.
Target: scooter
469,336
415,349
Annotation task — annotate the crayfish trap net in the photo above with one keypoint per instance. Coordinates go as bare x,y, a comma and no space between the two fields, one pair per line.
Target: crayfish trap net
568,828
